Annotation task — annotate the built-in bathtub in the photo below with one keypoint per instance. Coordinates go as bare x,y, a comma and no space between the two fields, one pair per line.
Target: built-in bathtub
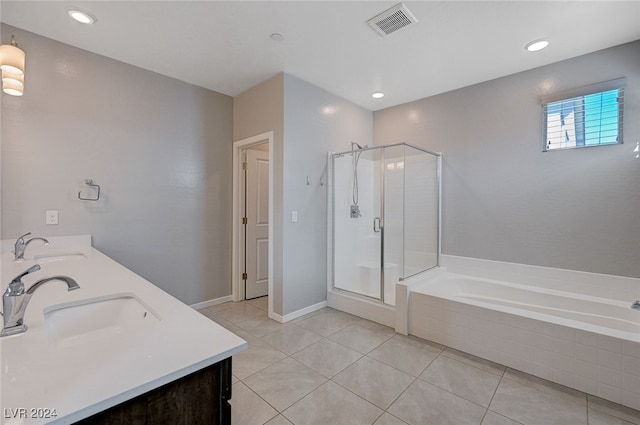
573,328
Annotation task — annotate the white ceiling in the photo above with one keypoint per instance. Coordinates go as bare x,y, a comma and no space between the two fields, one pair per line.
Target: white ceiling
226,46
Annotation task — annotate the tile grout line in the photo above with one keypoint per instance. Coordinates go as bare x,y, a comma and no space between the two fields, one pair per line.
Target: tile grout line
493,395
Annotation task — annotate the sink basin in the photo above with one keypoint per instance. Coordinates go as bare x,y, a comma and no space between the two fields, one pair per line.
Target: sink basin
107,317
50,257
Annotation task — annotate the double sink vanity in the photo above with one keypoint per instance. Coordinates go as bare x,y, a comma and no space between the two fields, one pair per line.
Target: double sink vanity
115,349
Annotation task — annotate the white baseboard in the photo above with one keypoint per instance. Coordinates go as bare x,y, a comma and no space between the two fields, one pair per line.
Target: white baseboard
209,303
297,313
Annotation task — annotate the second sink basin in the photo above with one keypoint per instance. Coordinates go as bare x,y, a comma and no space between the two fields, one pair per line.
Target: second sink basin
58,256
93,319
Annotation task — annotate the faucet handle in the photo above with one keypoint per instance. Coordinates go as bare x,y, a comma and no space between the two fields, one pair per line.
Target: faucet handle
31,269
20,237
16,287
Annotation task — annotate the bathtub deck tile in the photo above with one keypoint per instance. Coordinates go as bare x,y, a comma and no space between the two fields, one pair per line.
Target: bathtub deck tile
631,383
631,365
609,359
631,349
586,338
609,343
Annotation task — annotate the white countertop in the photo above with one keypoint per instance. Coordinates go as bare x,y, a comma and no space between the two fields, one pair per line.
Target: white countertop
80,379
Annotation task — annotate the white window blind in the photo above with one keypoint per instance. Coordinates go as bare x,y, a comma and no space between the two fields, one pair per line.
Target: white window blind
593,118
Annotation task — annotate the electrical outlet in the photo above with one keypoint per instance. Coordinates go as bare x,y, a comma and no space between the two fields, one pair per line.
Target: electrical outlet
51,217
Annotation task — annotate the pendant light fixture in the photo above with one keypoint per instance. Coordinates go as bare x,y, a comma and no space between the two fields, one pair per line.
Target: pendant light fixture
12,66
12,84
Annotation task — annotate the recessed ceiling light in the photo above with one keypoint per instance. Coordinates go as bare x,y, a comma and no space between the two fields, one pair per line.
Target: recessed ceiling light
377,95
276,36
81,16
536,45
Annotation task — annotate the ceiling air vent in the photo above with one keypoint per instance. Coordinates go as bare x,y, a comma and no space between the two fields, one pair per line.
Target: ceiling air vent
392,20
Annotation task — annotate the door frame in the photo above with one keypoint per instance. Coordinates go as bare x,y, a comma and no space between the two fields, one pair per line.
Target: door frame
237,284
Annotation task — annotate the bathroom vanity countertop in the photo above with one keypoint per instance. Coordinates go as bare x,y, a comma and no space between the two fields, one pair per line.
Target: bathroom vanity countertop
41,375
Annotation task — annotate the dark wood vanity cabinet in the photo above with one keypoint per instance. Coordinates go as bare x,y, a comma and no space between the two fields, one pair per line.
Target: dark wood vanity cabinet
201,398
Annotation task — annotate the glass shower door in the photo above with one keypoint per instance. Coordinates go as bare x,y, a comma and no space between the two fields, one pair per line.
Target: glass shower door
357,222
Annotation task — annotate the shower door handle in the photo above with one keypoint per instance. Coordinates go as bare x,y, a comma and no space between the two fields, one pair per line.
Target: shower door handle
376,224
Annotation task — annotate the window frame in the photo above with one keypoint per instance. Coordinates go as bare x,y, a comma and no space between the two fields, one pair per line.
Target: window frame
618,84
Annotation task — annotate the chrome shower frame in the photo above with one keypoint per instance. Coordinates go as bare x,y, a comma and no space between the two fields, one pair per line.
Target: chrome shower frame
331,202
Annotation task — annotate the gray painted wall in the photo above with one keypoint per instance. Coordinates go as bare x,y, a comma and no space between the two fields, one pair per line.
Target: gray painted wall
503,198
315,122
255,111
160,149
307,122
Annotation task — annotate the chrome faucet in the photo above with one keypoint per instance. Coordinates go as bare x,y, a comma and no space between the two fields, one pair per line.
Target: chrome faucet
16,299
636,305
21,245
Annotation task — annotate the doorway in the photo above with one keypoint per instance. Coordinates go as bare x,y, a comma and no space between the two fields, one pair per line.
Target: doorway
252,271
255,222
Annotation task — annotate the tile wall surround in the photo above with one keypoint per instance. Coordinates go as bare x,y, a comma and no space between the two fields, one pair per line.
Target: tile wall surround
597,364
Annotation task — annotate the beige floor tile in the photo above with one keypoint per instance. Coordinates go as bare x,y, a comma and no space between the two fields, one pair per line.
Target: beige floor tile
425,404
472,360
474,384
238,312
247,408
387,419
360,339
613,409
262,303
492,418
374,381
284,383
260,326
291,339
255,358
405,357
240,332
327,357
328,322
535,406
217,307
332,404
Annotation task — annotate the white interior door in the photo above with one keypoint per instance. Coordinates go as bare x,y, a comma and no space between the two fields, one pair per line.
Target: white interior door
257,227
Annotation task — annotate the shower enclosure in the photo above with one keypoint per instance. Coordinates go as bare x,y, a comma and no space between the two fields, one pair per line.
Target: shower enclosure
384,205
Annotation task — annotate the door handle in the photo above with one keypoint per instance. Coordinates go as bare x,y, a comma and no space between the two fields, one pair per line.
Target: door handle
376,224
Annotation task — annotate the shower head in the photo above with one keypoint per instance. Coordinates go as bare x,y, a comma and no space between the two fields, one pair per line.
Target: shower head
358,145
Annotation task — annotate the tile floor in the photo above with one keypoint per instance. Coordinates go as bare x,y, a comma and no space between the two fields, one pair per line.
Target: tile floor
332,368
